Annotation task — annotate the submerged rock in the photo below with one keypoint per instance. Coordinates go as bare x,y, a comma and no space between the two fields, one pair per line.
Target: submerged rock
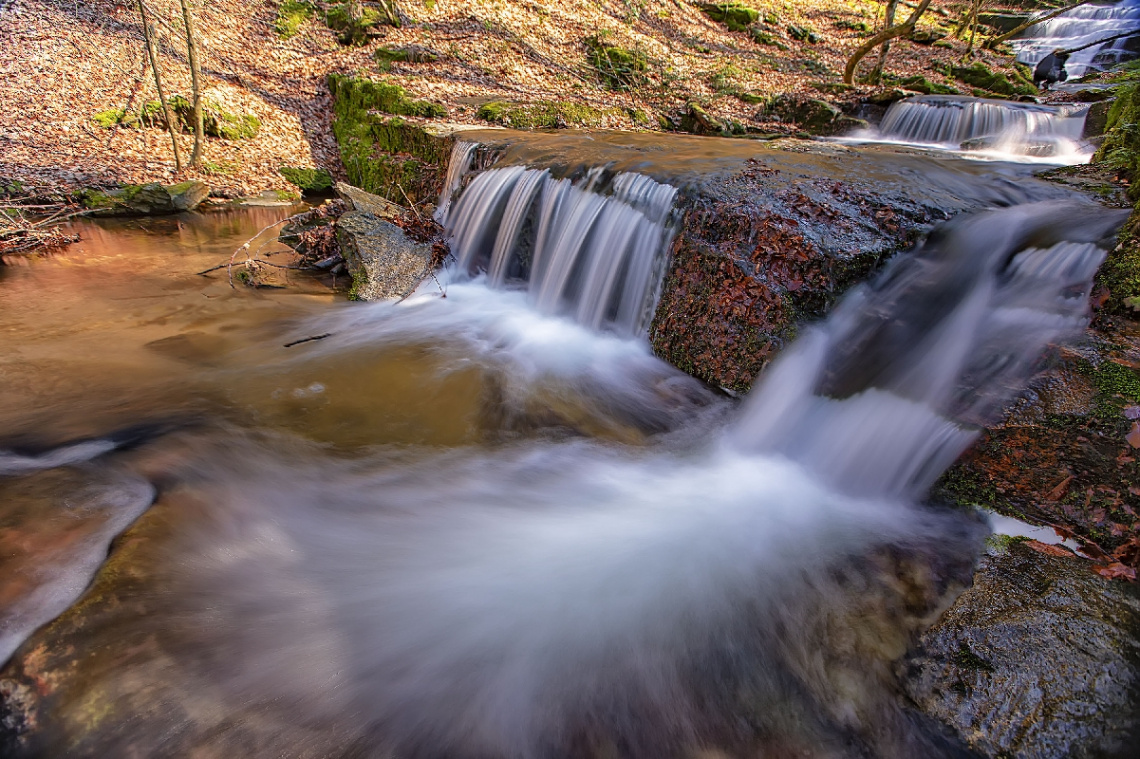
151,199
1040,658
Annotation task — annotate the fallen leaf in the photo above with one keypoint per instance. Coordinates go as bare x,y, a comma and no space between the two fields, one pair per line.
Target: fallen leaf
1133,437
1049,550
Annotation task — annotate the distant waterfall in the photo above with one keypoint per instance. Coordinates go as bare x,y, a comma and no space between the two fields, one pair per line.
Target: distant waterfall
1082,26
976,123
591,248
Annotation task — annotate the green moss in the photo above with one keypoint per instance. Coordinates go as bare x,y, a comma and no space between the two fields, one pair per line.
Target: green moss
762,37
736,16
619,68
804,34
308,180
543,115
359,96
390,157
108,119
919,83
854,26
982,77
1121,147
290,15
228,126
359,30
1000,544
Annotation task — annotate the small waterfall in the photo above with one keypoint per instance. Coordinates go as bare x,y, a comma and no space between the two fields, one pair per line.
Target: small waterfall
1081,26
591,248
490,603
976,123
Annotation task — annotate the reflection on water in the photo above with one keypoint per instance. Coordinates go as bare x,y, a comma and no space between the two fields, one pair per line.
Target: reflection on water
457,527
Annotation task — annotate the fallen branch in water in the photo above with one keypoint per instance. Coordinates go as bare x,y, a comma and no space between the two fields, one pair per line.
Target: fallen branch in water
20,235
253,261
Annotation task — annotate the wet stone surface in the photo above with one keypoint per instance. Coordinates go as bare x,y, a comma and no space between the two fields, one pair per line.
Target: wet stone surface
1040,658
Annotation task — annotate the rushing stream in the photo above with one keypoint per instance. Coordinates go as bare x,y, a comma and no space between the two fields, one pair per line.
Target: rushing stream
493,523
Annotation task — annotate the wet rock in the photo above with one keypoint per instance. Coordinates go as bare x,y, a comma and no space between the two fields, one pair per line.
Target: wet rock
1040,658
151,199
817,117
1096,122
384,261
55,527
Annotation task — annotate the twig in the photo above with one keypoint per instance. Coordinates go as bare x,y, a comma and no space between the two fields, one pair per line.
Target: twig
307,340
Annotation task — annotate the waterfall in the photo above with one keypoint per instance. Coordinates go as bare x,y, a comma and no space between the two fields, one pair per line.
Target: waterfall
477,603
1081,26
592,248
976,123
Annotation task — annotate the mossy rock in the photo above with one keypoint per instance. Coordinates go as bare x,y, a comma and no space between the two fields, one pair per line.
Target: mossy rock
291,14
358,95
919,83
216,121
927,36
736,16
1121,147
151,199
405,54
544,114
804,34
832,88
989,81
388,156
359,30
764,37
697,120
620,68
308,180
817,117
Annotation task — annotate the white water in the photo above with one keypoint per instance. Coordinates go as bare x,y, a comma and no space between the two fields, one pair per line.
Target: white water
593,249
493,602
1081,26
991,128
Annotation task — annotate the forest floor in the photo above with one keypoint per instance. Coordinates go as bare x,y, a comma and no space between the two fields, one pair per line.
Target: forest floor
65,62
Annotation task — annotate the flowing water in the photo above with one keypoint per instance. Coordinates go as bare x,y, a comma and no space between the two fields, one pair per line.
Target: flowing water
985,128
493,523
1082,26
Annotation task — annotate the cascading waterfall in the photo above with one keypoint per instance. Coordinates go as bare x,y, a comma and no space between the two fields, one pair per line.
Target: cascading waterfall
993,125
591,248
492,603
1081,26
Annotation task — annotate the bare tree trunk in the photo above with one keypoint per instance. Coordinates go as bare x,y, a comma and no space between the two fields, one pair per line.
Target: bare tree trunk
973,28
888,22
1014,32
149,33
906,28
195,83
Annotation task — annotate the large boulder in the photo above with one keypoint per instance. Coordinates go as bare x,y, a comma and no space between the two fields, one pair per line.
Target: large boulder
152,199
817,117
1040,658
384,262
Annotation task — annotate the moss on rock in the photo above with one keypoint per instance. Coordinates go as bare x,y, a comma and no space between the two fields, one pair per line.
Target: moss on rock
308,180
620,68
544,114
290,15
736,16
983,78
389,156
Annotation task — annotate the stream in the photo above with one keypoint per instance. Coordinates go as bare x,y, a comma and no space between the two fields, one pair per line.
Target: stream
487,521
